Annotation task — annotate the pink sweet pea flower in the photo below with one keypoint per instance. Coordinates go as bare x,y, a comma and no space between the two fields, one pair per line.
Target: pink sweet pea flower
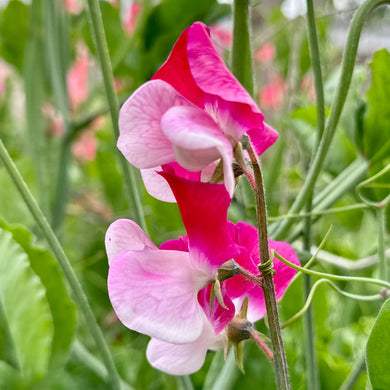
154,291
165,292
192,112
266,53
272,94
131,15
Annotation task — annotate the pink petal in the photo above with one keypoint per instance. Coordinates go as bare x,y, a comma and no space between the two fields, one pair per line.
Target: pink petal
198,141
262,138
183,359
156,185
217,315
141,140
124,235
155,292
180,244
203,207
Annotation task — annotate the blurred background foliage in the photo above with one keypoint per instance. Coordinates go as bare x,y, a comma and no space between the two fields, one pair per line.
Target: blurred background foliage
54,121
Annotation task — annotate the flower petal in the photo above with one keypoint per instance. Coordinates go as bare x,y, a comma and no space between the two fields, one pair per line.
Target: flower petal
182,359
262,138
156,185
203,207
155,292
124,235
141,140
198,141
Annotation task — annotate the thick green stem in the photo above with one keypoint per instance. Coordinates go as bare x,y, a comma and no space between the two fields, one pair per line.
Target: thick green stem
105,64
338,103
313,381
242,63
242,69
64,263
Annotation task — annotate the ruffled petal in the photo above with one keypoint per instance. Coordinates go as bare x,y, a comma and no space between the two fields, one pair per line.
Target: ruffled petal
262,138
141,140
203,208
124,235
155,292
198,141
182,359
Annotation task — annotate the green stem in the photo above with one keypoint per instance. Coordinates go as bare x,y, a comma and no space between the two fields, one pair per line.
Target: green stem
64,263
357,370
105,64
378,282
242,63
381,221
338,103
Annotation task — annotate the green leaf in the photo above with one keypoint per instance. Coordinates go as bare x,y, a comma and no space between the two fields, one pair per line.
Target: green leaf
378,350
9,377
62,308
14,32
25,308
377,121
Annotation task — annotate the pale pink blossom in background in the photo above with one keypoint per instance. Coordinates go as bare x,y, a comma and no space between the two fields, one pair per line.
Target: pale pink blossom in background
222,37
266,53
73,6
272,94
4,74
85,147
56,122
77,78
132,12
307,85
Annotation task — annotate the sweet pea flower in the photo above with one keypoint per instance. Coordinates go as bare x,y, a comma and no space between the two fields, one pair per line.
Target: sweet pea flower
193,112
165,292
154,291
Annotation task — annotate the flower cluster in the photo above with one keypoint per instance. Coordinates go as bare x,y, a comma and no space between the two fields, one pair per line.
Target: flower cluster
179,128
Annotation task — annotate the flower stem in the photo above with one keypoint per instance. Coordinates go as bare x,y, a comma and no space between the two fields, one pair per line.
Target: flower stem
102,50
64,263
338,103
280,360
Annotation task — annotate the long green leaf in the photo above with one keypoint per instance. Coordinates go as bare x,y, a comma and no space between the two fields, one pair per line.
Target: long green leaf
63,309
378,350
25,308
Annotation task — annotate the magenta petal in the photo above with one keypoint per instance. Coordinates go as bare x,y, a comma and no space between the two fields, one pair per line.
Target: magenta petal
203,207
262,138
155,292
124,235
182,359
282,278
141,140
180,244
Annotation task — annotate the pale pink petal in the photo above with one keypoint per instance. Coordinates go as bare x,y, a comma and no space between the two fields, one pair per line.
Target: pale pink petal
203,208
198,141
141,140
156,185
183,359
154,292
125,235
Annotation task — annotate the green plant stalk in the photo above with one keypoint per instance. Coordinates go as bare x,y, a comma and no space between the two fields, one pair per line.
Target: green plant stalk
242,69
313,381
347,67
105,64
354,375
64,263
57,70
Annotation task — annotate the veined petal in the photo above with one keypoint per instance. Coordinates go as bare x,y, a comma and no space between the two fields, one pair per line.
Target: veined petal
141,140
183,359
124,235
198,141
155,292
203,207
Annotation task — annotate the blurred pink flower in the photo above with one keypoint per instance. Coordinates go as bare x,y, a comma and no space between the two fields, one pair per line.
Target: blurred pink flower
266,53
165,292
4,74
222,37
192,112
85,147
307,85
272,94
77,78
56,122
73,6
132,12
